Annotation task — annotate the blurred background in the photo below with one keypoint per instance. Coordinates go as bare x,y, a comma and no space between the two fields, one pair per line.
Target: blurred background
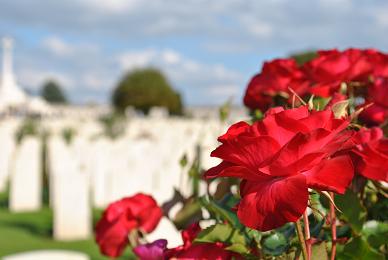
103,99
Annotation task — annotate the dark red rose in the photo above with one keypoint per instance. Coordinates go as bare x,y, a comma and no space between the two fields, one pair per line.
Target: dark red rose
276,78
137,212
371,154
202,251
376,113
279,158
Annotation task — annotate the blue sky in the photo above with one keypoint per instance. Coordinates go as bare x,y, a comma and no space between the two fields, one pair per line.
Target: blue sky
207,49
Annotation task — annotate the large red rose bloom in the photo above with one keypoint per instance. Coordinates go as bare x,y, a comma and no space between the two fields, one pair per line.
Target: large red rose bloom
279,158
137,212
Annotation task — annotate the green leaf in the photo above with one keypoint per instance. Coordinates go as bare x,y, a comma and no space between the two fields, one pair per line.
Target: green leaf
357,248
220,233
183,161
376,233
253,234
238,248
319,103
319,251
275,244
317,209
256,115
224,110
226,234
221,212
190,213
340,108
352,210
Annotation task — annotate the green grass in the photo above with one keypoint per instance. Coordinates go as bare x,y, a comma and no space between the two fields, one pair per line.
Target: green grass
20,232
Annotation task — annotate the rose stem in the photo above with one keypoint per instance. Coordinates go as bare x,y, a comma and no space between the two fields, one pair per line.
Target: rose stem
302,242
307,233
333,228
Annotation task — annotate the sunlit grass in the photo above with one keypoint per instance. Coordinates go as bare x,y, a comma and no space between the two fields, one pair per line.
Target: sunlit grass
21,232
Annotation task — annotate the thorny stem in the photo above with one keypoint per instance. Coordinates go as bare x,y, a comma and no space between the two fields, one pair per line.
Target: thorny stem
307,234
333,229
302,242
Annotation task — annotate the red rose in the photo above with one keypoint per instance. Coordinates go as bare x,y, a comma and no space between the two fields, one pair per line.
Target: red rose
279,158
275,78
202,251
333,67
371,154
379,61
137,212
377,113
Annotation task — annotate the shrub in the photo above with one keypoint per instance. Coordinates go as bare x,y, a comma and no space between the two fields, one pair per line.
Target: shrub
146,88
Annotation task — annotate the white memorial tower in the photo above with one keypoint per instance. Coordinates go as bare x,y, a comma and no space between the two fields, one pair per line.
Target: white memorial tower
10,93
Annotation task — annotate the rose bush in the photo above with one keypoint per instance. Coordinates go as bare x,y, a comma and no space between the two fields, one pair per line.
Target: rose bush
307,176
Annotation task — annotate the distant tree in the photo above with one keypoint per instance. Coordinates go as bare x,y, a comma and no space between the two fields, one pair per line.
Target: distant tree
53,93
144,89
303,57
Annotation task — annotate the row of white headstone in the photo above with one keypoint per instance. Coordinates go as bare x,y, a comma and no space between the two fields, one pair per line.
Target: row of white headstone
91,172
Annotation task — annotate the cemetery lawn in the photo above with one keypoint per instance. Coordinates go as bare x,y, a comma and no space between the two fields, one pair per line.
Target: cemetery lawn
21,232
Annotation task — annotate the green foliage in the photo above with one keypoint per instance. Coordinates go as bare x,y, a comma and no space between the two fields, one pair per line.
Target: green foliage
352,210
303,57
183,161
114,125
226,234
190,213
357,248
224,110
53,93
319,251
276,244
144,89
29,127
68,134
221,211
319,103
376,233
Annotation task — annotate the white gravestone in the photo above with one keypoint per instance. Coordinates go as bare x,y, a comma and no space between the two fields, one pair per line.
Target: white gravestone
7,142
26,177
69,194
72,210
48,255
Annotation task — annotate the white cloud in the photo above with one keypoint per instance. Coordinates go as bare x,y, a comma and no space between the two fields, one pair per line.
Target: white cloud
225,91
171,57
33,78
191,76
382,18
111,6
62,48
96,81
130,60
57,46
256,27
